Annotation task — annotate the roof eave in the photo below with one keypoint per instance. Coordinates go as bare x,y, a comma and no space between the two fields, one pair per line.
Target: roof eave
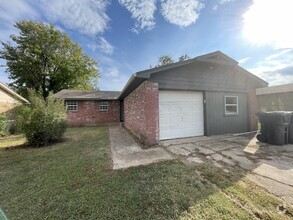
14,94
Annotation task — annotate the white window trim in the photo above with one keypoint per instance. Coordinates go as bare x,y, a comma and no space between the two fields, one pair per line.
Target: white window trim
237,105
66,104
101,104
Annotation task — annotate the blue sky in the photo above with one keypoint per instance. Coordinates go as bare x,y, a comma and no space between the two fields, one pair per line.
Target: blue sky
126,36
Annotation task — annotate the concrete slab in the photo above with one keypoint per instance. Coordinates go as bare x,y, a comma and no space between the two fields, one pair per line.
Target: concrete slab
204,150
273,172
195,159
217,157
281,190
167,143
267,165
179,150
126,152
158,154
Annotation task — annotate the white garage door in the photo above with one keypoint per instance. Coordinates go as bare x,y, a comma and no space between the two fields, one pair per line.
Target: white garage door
181,114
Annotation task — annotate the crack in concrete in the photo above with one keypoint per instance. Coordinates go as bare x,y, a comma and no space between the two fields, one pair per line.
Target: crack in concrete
253,173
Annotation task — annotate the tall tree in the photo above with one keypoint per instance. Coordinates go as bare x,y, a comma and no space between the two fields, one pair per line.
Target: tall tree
164,60
45,59
183,57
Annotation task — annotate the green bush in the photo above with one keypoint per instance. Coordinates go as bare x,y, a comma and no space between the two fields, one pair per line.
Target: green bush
42,121
3,123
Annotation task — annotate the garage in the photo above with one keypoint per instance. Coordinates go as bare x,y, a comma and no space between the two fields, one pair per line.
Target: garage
180,114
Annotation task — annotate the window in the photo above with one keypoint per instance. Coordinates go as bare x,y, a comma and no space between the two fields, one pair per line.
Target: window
103,106
71,105
231,105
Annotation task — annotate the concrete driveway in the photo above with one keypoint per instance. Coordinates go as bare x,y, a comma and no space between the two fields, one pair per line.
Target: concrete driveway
268,166
126,152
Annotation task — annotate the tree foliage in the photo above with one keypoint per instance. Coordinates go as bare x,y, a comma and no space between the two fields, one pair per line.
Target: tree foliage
166,59
42,121
44,59
183,57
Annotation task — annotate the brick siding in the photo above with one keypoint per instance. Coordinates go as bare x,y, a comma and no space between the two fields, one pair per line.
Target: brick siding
141,112
88,113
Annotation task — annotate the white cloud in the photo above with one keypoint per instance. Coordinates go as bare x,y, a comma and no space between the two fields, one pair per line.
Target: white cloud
278,54
112,72
221,2
181,13
276,70
105,46
87,16
244,60
14,10
268,23
142,11
113,83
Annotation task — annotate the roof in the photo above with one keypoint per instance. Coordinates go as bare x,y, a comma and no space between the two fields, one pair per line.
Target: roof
275,89
69,94
215,57
12,93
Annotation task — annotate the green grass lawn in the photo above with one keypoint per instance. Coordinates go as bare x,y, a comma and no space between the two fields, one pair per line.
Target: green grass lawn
74,180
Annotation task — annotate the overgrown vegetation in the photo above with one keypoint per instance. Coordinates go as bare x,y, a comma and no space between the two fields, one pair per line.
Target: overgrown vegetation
74,180
42,121
3,123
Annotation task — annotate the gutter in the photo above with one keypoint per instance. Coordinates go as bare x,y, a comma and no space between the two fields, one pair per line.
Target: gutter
7,89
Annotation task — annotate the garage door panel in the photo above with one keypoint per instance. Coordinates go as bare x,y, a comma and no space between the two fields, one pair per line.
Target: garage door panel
191,119
181,114
175,108
169,121
165,107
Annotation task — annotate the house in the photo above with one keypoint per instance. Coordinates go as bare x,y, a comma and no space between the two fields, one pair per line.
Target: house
206,95
90,107
9,99
276,97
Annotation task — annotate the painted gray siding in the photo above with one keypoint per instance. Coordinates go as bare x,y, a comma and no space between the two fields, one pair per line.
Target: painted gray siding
276,101
216,120
202,76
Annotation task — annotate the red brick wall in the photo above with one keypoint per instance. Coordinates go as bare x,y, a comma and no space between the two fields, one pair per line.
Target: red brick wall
89,114
252,110
141,112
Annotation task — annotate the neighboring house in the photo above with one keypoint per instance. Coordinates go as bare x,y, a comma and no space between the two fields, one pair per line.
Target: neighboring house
206,95
90,107
276,98
9,99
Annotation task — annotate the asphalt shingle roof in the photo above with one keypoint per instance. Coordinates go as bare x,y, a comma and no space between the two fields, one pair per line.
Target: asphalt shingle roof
86,95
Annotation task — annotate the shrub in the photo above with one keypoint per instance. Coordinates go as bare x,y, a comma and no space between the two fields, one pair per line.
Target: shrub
42,121
3,124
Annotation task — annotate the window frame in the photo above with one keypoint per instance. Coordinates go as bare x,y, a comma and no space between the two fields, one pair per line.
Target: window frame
71,105
226,105
102,106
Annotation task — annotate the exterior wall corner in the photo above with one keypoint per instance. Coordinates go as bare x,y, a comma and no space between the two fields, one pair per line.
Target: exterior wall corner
141,112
